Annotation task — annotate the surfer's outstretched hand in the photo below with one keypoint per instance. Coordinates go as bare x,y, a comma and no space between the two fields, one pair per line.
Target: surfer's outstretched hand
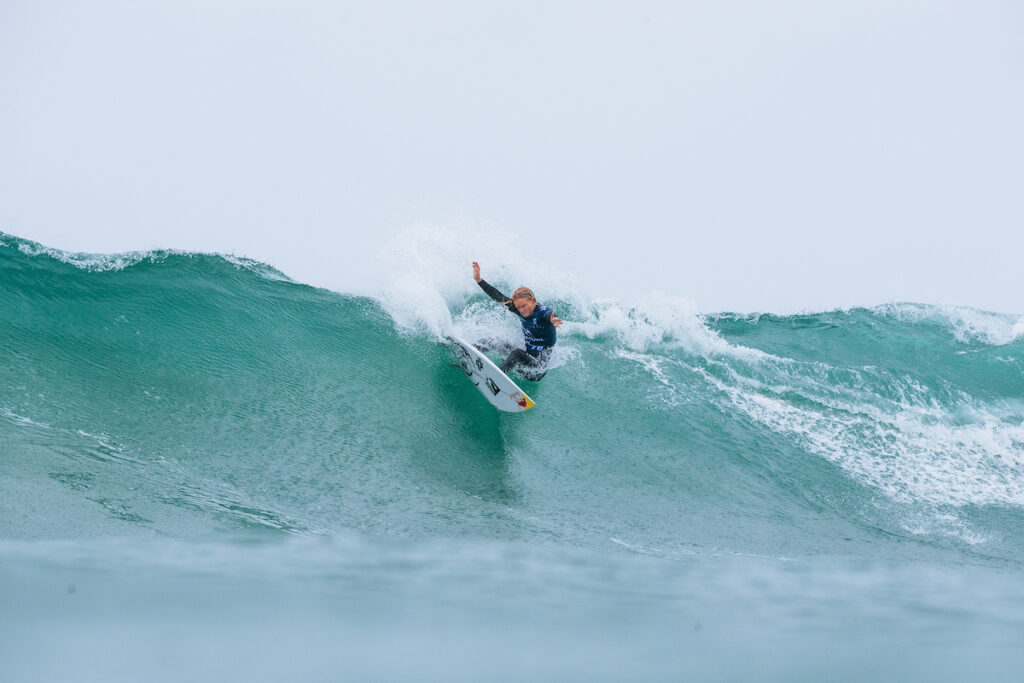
555,320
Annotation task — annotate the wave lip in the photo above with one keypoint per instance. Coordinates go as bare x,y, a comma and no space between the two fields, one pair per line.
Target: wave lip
967,324
102,263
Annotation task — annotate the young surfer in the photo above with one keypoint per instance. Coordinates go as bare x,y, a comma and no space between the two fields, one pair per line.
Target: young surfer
539,323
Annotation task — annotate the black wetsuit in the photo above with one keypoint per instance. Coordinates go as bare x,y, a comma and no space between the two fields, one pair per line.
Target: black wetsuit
539,332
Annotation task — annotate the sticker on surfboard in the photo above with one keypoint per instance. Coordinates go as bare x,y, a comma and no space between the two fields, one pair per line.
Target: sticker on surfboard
500,391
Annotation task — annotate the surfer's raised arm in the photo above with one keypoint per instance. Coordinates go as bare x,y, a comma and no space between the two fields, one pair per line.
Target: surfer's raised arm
522,302
490,290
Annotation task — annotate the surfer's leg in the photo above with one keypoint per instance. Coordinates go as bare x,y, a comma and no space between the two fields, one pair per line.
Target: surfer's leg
526,365
518,357
538,366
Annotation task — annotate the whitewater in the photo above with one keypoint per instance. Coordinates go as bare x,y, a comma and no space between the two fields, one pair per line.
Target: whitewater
213,470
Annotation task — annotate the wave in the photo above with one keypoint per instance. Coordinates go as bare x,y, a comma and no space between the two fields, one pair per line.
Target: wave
180,393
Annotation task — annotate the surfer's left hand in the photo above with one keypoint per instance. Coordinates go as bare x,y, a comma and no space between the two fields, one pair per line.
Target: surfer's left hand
555,320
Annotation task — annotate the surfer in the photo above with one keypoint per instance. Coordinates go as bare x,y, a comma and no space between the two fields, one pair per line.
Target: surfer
539,323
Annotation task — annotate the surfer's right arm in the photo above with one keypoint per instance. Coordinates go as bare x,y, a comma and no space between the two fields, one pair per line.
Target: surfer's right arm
490,290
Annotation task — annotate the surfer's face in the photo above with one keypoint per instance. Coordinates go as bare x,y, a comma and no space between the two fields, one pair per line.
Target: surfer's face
525,305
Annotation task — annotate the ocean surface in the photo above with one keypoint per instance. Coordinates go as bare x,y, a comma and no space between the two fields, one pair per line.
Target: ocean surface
209,471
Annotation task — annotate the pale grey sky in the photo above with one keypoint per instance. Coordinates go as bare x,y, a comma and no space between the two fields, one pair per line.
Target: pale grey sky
746,155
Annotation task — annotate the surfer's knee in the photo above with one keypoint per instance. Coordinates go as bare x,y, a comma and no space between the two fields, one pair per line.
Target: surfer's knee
517,357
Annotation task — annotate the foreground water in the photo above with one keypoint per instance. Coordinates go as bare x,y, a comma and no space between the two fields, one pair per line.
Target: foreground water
212,471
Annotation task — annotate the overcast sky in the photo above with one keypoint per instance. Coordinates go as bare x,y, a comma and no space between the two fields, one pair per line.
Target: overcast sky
746,155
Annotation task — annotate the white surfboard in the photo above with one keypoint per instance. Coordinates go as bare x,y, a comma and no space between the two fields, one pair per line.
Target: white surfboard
497,388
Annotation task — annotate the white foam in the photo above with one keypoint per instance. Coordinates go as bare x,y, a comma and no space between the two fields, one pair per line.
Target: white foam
21,419
654,320
670,395
967,324
429,273
659,320
928,522
910,452
483,322
86,261
1018,328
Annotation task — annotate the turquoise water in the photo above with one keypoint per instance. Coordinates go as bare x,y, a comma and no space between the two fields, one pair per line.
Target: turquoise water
212,471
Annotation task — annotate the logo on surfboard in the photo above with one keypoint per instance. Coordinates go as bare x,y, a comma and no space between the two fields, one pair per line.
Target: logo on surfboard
522,400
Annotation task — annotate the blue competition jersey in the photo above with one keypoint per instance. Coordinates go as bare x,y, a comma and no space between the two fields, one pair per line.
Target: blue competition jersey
539,332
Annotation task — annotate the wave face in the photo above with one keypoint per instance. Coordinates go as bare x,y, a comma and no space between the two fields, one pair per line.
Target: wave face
185,394
199,398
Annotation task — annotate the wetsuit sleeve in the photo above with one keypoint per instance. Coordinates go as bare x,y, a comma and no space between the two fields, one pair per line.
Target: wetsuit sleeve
496,295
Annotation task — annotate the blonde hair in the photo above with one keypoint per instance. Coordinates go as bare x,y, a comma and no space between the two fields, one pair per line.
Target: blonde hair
521,293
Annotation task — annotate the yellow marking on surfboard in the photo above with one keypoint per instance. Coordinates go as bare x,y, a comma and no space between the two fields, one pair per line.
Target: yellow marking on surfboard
524,401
